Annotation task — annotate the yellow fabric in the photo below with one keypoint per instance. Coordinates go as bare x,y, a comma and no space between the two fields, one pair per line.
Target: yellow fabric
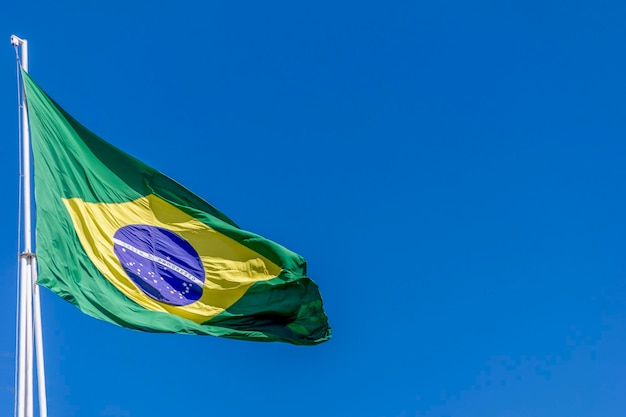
230,267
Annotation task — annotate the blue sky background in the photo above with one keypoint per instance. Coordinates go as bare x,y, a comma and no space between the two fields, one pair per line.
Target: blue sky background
452,171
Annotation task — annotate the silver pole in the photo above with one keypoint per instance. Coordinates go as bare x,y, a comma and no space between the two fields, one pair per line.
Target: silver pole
21,367
25,151
29,336
25,364
41,377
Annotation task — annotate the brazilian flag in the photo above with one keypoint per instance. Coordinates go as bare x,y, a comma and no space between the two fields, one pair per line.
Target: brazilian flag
126,244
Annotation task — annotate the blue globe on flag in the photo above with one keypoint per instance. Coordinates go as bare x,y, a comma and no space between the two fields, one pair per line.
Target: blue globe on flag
161,263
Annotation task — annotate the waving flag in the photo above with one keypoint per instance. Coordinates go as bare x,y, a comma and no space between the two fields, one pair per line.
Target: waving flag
127,244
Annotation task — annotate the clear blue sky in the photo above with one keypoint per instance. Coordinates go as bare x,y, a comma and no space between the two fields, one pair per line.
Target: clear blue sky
453,172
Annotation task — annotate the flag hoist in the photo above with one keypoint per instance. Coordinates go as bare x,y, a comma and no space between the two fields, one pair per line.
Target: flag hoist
29,314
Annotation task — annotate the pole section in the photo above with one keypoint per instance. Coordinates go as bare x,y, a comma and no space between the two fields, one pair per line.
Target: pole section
25,151
25,363
27,242
41,377
21,367
26,159
29,336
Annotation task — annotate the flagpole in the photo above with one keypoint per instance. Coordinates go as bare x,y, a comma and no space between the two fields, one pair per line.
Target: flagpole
30,307
29,334
41,378
21,367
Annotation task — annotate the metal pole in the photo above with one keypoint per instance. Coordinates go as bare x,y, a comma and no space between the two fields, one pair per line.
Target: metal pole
25,151
25,364
41,377
29,335
26,159
21,367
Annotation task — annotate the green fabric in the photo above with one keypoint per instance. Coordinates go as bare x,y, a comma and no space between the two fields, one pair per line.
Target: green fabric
72,162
